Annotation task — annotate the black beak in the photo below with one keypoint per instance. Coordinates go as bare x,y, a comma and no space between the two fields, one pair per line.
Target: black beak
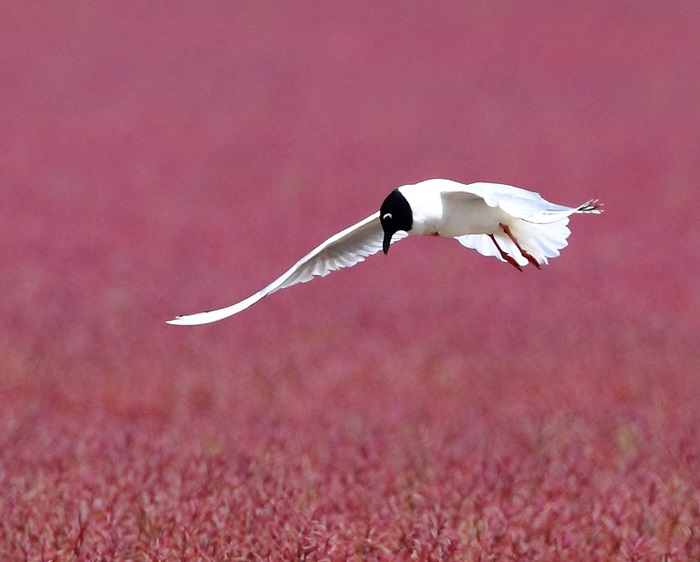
387,241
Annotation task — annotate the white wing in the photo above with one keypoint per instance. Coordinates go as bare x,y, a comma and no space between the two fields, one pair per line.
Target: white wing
344,249
539,225
517,202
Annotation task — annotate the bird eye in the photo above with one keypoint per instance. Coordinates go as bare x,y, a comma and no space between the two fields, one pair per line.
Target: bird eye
387,217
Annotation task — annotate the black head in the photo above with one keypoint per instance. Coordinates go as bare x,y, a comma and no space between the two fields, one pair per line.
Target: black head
395,214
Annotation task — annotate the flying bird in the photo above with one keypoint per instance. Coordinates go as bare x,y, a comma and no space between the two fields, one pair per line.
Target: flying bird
515,225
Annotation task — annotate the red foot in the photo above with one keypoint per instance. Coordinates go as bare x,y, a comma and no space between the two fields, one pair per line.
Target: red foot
527,255
505,256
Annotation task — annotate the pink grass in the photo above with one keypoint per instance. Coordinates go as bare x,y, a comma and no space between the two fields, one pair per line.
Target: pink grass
432,405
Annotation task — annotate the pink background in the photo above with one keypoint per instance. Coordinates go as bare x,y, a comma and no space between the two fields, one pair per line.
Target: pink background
159,159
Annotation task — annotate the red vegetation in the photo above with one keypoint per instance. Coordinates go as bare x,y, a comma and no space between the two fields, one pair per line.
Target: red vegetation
428,405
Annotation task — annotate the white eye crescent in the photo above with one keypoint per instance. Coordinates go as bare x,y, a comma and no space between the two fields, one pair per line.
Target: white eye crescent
387,217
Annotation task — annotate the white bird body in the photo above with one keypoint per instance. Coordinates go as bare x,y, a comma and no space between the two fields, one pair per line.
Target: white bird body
440,209
513,224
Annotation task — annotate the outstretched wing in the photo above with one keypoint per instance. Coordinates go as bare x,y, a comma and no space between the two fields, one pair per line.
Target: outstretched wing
517,202
539,226
344,249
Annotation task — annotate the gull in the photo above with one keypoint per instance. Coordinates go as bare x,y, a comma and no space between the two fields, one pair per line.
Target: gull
515,225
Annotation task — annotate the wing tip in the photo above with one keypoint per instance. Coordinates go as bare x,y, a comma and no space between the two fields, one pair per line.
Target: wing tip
593,206
179,321
192,319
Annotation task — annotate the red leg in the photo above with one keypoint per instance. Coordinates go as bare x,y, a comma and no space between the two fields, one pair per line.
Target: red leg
505,256
527,255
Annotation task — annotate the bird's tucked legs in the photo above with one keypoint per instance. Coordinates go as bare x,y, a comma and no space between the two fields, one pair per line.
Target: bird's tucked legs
527,255
505,256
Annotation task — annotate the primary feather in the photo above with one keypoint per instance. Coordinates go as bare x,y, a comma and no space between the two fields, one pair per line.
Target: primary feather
345,249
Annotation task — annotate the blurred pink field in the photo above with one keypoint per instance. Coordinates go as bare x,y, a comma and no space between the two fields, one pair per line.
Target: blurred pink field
428,405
